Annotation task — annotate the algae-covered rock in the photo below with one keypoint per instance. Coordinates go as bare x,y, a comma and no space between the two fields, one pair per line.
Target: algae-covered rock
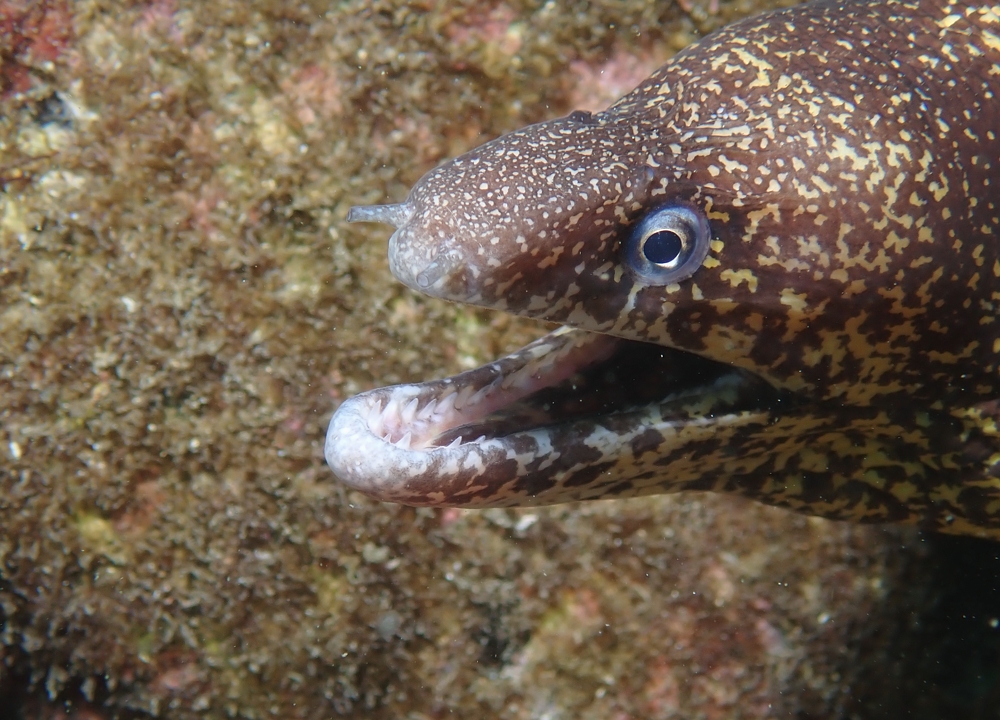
181,309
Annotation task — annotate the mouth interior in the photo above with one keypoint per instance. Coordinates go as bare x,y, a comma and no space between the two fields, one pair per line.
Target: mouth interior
564,377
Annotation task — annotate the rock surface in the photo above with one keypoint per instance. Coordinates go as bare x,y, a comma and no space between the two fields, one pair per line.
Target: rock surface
181,308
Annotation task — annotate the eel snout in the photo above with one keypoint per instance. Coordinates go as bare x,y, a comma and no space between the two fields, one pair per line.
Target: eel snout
425,254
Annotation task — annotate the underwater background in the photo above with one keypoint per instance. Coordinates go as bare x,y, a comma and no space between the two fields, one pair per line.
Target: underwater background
182,307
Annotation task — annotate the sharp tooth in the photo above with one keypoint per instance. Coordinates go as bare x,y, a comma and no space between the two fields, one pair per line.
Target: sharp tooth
463,397
447,406
404,442
428,410
375,418
387,437
456,442
410,411
479,439
392,410
522,378
478,397
510,380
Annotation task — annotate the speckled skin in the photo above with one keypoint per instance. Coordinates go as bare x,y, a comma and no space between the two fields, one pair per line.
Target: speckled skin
845,155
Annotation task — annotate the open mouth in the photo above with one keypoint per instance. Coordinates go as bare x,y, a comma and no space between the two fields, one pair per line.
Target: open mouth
551,422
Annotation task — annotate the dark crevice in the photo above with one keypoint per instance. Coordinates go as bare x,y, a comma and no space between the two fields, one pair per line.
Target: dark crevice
944,660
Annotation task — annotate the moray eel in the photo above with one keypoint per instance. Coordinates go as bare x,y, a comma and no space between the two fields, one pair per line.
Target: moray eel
775,265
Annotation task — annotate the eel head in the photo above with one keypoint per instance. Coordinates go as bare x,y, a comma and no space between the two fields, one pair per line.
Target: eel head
759,291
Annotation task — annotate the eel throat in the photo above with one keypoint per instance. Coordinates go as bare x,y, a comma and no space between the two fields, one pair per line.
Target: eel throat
774,265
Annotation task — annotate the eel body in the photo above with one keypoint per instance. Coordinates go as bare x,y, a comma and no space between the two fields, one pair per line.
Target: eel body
775,264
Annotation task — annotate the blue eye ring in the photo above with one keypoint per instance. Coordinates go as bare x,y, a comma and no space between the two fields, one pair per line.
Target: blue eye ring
669,244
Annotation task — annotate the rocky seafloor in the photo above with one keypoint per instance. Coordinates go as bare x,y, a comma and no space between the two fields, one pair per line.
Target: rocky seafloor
182,307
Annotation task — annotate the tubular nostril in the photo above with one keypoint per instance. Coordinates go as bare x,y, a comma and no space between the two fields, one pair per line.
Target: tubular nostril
430,275
426,274
396,215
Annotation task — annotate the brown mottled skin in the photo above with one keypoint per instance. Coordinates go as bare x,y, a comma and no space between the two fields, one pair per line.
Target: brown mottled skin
845,156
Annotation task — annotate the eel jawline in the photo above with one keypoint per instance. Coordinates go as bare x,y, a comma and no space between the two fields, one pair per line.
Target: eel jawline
492,436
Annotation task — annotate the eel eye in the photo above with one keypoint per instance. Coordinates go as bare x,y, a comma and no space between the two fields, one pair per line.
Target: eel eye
669,244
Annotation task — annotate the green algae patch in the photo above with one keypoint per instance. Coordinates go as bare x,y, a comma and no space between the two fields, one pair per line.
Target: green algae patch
331,591
302,278
99,537
13,225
